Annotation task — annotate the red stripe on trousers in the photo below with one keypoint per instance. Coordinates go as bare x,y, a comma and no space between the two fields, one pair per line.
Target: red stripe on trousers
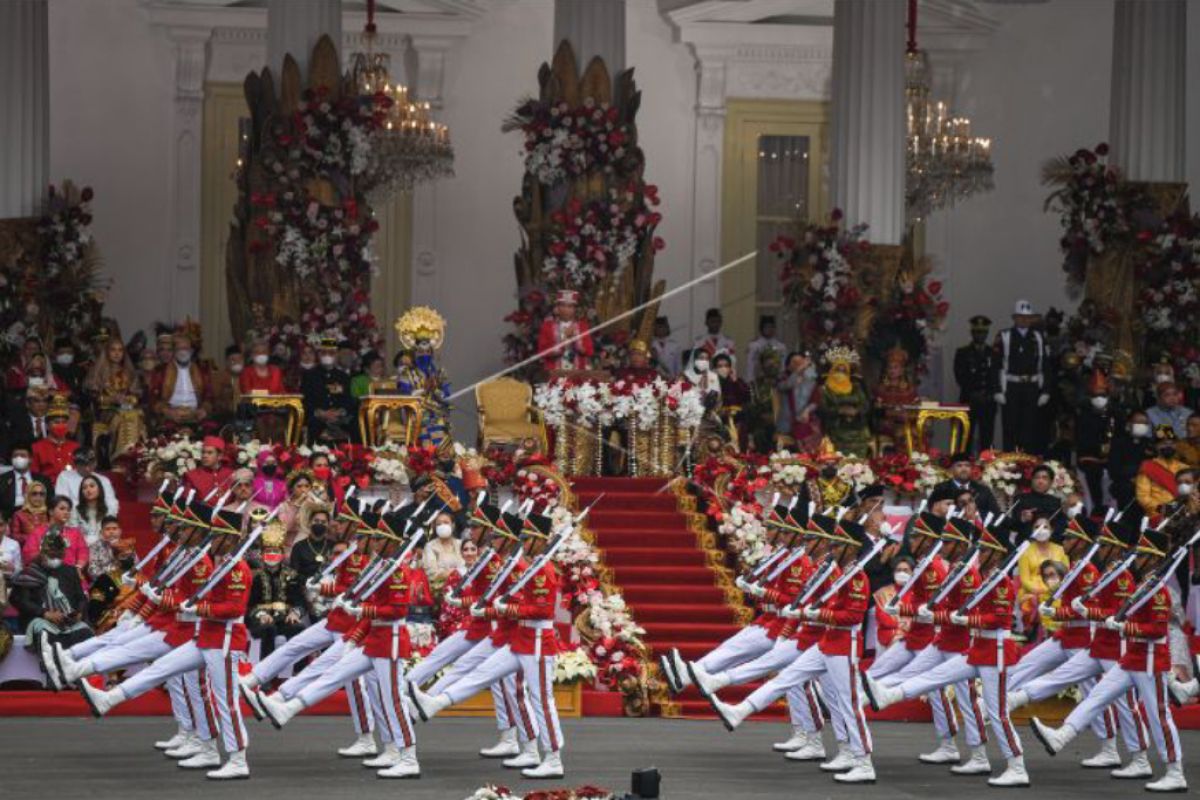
386,721
1160,700
951,720
206,699
509,716
360,706
234,703
859,720
1013,743
814,708
521,704
1139,722
546,698
398,705
1108,722
187,702
979,721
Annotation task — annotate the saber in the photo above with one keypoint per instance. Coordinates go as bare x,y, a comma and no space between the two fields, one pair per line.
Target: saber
480,564
850,573
1108,577
315,581
394,564
994,580
1075,571
814,582
1150,588
952,580
918,571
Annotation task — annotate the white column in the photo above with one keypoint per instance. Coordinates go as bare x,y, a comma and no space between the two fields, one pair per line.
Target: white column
711,72
25,100
294,26
1148,108
429,56
867,153
594,28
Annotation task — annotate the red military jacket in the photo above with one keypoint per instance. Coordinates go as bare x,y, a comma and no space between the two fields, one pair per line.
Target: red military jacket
1106,644
843,617
811,632
222,611
50,458
137,601
953,638
385,612
782,591
1076,631
920,634
1145,635
181,628
532,611
503,630
347,573
479,627
991,624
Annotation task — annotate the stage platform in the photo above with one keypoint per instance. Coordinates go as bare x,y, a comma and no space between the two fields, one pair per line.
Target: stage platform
698,761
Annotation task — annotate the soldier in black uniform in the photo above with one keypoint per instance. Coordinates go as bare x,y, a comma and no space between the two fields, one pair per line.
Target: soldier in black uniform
328,404
1098,419
1022,381
960,480
974,372
276,605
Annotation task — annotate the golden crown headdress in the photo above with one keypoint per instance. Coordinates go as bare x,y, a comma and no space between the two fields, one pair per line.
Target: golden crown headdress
274,536
421,324
841,354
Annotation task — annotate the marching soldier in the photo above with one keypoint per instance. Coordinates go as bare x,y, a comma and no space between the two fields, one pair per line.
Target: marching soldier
974,368
1021,379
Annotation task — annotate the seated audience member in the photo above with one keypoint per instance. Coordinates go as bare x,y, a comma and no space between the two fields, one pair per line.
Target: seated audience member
55,452
116,390
30,424
1130,448
374,370
300,486
962,468
84,466
667,356
890,629
49,597
17,481
227,391
276,606
1189,448
182,390
16,377
313,553
260,375
212,476
1169,410
88,516
1155,483
1052,573
67,369
270,488
443,554
1037,501
10,565
1032,591
108,591
40,377
32,516
75,553
241,491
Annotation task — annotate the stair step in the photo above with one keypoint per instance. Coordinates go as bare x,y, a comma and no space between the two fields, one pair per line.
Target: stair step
676,612
664,501
639,485
688,631
690,651
628,537
658,592
663,557
691,576
637,520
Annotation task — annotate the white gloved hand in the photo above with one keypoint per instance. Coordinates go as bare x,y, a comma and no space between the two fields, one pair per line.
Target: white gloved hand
791,612
1046,610
354,610
742,583
1079,607
188,608
1112,624
478,612
326,586
128,579
999,397
501,608
150,593
754,590
958,619
452,601
924,614
126,616
811,613
892,608
1043,398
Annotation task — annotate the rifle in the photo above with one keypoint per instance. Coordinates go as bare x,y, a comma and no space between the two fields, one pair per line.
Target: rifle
476,570
815,580
315,580
917,572
1110,575
855,568
393,564
226,568
994,579
955,578
540,561
1076,569
1150,587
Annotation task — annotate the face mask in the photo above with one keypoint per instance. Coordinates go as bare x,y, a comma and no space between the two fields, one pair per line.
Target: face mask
1185,489
261,359
36,382
236,369
20,463
64,359
886,529
701,366
318,529
1052,583
1075,510
322,473
58,430
1100,403
269,470
306,365
1139,429
183,357
1041,534
53,563
901,578
444,530
327,361
1166,452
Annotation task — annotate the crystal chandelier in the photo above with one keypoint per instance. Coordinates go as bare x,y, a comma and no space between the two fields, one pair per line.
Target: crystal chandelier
945,163
407,147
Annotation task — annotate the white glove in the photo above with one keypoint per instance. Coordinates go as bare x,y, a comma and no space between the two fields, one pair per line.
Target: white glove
1078,606
150,593
924,614
188,608
742,583
452,601
501,608
958,619
999,398
1112,624
126,616
755,590
892,608
128,579
811,613
478,612
1046,610
791,612
1043,398
353,610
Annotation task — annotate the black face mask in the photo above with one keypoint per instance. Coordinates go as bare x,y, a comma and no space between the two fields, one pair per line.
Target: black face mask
1166,452
269,470
828,472
318,529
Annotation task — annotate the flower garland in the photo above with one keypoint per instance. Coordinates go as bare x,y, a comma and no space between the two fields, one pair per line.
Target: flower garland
913,475
493,792
1008,474
1169,301
912,315
564,141
818,277
588,402
745,534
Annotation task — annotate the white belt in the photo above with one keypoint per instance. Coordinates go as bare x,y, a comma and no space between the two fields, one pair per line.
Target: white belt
771,607
186,616
1077,623
388,623
538,624
844,627
993,634
1144,640
1023,378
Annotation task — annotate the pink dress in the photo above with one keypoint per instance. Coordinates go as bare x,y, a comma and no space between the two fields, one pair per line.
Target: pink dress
77,549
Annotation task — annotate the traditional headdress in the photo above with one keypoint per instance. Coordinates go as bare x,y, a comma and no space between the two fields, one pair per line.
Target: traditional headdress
421,325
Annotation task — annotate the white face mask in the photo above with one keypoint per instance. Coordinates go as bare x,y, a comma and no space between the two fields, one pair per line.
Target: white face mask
1140,429
701,365
327,361
64,359
444,530
1075,510
236,369
53,563
37,382
886,529
1100,402
183,356
901,578
1185,489
261,359
1041,533
20,463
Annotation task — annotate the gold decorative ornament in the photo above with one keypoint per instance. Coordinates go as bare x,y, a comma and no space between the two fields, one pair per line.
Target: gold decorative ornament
420,327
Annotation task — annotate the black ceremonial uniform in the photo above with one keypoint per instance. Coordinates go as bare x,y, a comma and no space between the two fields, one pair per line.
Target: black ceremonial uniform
1022,375
274,593
985,501
974,372
1094,432
327,388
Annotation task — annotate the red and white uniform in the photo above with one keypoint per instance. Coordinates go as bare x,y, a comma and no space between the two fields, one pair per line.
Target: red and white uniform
575,355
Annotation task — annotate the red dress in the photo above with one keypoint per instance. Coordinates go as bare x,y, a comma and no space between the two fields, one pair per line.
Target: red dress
271,383
574,356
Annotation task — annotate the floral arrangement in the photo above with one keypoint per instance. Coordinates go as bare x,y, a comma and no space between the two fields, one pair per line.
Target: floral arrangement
617,647
726,483
564,142
542,489
745,534
1169,301
1008,474
857,472
785,471
574,666
818,277
492,792
913,475
588,402
911,315
595,239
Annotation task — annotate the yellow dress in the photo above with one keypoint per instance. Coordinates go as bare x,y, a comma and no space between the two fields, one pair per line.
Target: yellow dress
1029,569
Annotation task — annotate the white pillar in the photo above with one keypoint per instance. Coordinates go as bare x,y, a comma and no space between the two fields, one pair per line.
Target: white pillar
1148,108
594,28
867,152
294,26
25,100
711,72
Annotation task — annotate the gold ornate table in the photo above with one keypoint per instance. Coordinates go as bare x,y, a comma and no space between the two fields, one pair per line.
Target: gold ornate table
921,416
374,406
293,404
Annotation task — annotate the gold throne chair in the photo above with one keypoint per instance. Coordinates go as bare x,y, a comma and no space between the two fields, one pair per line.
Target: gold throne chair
507,415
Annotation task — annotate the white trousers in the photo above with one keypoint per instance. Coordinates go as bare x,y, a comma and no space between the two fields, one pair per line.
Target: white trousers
535,674
188,658
956,670
1152,689
945,724
802,706
221,667
117,634
388,678
1048,655
509,696
448,651
190,707
839,682
893,659
747,644
360,715
313,638
147,647
1082,670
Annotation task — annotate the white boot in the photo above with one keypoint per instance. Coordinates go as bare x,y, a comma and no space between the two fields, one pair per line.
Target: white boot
207,756
74,671
388,758
46,657
679,670
551,767
881,696
707,684
406,767
278,710
731,715
363,747
190,746
977,764
249,681
179,738
1015,775
843,761
1017,699
813,750
253,698
528,757
664,666
235,768
427,706
1052,739
1107,758
1138,767
798,740
1171,781
861,771
946,753
99,700
507,747
1182,691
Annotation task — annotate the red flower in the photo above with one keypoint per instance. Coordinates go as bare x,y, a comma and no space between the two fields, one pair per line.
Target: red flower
934,287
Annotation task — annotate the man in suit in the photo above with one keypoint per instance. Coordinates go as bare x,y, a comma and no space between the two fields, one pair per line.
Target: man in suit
28,421
328,403
973,372
961,480
182,388
14,482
